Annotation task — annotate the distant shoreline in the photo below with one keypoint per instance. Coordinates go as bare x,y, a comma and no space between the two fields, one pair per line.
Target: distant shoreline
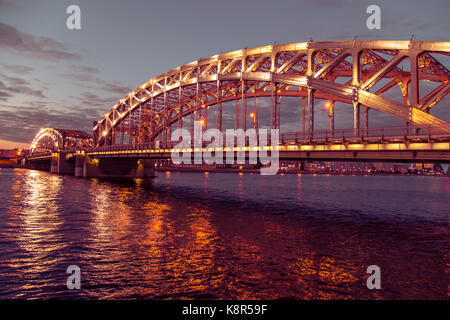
236,170
6,163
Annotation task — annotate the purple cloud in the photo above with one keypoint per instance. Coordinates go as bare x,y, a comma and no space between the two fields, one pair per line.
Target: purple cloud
6,5
18,89
98,83
17,69
14,81
38,47
84,69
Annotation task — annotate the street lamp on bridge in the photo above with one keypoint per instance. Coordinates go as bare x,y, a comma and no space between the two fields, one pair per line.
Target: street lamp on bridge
252,115
330,107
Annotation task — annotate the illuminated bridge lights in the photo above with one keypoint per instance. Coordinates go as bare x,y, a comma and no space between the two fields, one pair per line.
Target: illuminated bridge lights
309,69
141,123
445,146
52,140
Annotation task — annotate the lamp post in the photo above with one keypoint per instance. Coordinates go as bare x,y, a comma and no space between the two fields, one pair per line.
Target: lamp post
329,106
252,115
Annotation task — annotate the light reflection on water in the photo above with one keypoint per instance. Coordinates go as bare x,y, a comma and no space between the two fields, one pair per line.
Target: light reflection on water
226,236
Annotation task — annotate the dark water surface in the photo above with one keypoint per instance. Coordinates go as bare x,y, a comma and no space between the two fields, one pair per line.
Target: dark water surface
223,235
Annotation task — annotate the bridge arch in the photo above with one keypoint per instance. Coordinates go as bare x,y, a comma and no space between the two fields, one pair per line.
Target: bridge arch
52,140
345,71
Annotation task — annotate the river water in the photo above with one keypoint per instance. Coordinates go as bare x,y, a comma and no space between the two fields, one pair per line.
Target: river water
223,236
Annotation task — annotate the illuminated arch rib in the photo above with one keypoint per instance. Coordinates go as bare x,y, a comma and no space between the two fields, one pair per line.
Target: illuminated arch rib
50,140
308,66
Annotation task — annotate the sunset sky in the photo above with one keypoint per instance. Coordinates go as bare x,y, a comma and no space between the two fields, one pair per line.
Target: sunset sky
51,76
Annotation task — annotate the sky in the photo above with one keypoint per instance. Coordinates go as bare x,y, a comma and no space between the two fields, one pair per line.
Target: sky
51,76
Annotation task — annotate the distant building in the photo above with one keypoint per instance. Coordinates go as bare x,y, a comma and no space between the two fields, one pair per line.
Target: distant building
11,157
10,154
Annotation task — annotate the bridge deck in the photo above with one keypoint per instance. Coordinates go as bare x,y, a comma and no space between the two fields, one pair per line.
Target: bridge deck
296,145
414,148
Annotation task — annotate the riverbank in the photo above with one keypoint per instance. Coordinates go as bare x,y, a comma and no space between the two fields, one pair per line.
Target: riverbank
6,163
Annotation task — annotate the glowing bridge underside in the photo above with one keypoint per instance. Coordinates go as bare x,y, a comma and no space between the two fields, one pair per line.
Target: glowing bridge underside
355,72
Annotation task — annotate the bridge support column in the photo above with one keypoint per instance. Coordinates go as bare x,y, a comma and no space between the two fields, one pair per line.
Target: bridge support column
244,106
275,109
113,136
79,164
405,93
236,109
310,111
146,168
219,107
63,166
332,120
302,115
256,113
407,127
122,134
414,92
191,125
54,164
366,121
356,119
60,165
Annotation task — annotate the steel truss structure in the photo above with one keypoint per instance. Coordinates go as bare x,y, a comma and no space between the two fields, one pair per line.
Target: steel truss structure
52,140
345,71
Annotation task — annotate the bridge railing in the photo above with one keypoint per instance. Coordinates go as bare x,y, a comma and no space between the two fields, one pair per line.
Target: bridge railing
338,135
49,152
361,133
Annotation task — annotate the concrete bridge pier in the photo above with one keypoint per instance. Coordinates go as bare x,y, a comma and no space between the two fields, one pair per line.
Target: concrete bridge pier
61,165
54,164
114,167
146,168
79,166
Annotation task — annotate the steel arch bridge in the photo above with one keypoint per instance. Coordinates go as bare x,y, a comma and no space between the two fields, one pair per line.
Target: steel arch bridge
49,140
345,71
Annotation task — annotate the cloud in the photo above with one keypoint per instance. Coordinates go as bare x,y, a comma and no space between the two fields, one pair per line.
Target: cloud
98,83
91,99
38,47
6,144
4,95
17,69
14,81
6,90
406,22
77,77
114,87
84,69
38,115
6,5
326,3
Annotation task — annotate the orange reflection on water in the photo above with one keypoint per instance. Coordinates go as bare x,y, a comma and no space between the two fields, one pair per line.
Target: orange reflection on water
196,256
156,212
310,270
36,219
245,254
299,186
185,253
272,227
109,228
